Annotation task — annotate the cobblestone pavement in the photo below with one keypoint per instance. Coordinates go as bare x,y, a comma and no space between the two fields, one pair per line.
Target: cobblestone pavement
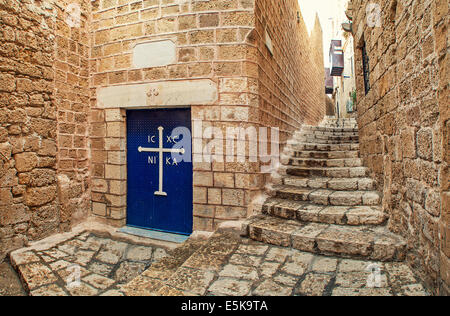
257,269
102,263
223,265
230,266
10,284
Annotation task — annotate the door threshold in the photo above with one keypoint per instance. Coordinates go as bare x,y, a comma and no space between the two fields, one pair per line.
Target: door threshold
153,234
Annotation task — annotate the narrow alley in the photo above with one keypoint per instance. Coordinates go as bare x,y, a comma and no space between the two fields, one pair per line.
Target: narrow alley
215,148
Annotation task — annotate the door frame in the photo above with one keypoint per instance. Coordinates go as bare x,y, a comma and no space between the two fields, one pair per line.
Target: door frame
150,108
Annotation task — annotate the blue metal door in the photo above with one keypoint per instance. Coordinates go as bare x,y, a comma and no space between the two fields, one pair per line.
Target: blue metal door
160,170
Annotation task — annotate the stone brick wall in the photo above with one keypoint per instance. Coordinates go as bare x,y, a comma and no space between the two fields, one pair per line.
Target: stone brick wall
43,95
291,81
63,133
404,121
71,97
210,42
220,41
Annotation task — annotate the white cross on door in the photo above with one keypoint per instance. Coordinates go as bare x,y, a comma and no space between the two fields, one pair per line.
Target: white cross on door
161,150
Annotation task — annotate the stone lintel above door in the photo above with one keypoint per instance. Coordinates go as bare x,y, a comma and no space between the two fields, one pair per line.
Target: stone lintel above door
166,93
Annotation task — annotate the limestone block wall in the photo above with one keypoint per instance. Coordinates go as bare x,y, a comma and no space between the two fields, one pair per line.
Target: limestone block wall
291,86
218,45
66,81
43,129
205,43
404,123
71,97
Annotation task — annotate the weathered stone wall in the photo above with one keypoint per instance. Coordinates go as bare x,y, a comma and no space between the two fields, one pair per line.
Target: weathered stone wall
404,122
71,95
291,80
212,43
43,95
209,47
65,89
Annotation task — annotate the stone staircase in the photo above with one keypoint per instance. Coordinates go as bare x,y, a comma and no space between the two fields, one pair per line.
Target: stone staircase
325,202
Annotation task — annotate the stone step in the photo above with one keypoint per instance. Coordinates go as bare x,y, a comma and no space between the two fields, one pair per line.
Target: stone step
331,129
328,197
306,135
373,243
311,162
339,126
339,123
338,215
323,141
339,184
313,132
334,118
338,172
313,138
302,146
325,154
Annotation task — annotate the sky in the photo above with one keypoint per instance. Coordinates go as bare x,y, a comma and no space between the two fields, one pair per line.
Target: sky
326,10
